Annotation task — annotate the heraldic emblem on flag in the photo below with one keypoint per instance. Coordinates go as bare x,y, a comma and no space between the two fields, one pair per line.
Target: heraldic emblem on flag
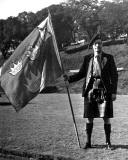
34,65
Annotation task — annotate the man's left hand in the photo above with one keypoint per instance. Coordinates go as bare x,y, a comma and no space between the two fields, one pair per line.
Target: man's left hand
113,97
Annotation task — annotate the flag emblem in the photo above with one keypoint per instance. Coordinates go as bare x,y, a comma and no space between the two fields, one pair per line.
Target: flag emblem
32,52
16,68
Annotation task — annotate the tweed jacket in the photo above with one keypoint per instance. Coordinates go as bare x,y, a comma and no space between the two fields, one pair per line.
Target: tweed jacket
109,73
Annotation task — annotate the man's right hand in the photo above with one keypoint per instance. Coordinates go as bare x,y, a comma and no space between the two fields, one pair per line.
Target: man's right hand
66,78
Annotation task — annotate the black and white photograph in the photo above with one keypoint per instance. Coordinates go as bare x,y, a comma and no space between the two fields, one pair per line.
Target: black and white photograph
64,80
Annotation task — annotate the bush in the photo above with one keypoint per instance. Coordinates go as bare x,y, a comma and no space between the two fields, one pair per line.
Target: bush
75,49
113,42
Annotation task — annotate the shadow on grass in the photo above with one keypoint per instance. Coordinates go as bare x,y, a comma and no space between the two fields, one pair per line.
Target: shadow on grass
14,154
114,147
5,103
120,146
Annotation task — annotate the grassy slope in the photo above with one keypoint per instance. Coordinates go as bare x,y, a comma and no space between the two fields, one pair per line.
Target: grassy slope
120,53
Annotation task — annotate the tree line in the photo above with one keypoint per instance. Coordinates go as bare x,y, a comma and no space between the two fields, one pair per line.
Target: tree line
72,20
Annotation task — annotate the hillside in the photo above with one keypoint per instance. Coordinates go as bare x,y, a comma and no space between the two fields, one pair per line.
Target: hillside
74,61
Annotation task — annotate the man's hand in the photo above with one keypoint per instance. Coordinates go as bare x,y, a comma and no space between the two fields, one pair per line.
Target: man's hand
63,81
65,77
113,97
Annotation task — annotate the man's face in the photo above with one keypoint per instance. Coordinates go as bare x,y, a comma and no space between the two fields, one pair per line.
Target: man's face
97,46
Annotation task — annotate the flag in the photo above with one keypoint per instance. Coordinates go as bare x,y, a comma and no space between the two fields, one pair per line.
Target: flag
34,65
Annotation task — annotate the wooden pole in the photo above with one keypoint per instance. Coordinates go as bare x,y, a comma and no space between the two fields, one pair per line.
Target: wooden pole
70,102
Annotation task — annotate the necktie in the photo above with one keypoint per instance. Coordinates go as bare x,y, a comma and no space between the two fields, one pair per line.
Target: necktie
97,66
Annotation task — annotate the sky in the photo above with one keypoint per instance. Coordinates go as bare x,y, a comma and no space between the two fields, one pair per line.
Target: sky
14,7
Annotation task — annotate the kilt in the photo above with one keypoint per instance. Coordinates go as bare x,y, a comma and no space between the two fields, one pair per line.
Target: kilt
95,110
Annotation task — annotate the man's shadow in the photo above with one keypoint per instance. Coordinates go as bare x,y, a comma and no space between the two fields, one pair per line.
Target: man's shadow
114,147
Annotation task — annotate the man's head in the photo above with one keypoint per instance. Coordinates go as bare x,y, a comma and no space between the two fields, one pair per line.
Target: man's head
96,43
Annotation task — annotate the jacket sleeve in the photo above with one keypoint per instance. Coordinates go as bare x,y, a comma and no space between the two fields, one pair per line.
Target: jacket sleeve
113,75
81,74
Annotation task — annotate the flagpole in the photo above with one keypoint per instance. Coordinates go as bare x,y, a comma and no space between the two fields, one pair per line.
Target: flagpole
75,126
70,102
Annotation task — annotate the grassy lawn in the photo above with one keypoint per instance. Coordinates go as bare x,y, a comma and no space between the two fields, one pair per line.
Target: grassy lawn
45,126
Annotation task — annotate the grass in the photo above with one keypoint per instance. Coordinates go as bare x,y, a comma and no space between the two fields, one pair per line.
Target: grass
45,126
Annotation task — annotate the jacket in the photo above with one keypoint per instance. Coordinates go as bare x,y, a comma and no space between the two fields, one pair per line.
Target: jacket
109,73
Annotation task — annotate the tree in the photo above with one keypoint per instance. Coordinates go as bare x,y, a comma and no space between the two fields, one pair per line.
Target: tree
29,19
85,15
63,29
114,15
63,25
10,29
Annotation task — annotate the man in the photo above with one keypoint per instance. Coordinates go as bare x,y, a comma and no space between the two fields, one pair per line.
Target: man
99,88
